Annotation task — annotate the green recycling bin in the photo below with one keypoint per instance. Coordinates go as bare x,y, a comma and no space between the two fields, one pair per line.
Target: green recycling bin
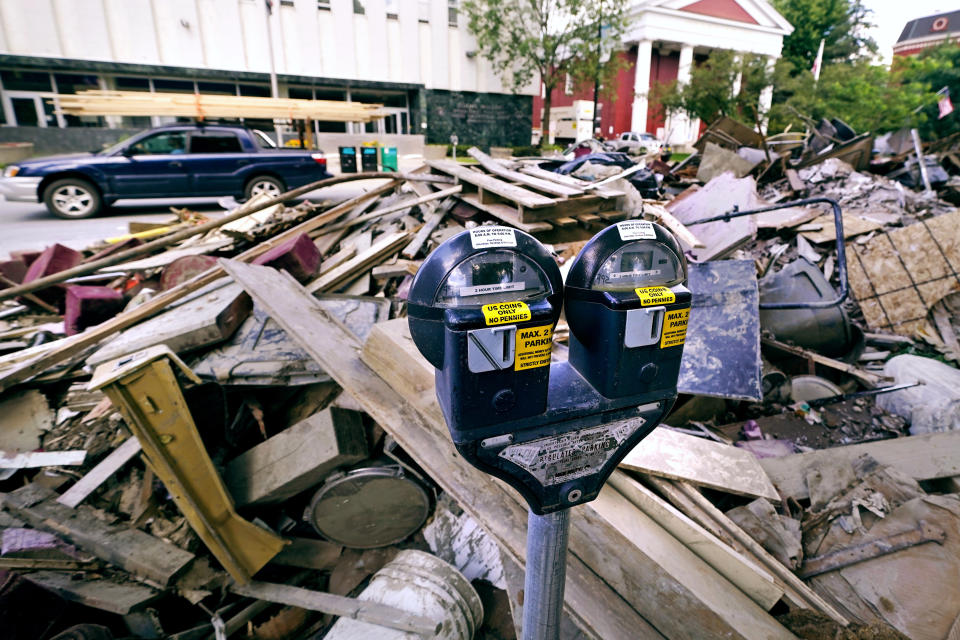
388,158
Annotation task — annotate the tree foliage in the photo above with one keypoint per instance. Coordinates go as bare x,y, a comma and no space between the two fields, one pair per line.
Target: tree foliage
548,39
938,67
842,24
710,92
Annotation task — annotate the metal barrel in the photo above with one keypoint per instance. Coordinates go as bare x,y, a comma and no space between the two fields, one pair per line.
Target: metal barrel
424,585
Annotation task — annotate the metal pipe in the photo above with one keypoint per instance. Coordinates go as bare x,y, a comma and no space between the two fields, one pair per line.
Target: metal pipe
545,574
841,249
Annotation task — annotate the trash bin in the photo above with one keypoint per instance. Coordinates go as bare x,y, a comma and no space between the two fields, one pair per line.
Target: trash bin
368,158
388,158
348,160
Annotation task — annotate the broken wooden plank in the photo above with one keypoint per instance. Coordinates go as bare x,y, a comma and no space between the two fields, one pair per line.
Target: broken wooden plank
504,212
670,454
603,192
58,351
702,510
546,186
209,316
922,457
99,474
345,273
131,549
523,197
308,553
353,608
664,217
397,269
755,581
592,603
596,527
120,598
297,458
35,459
430,223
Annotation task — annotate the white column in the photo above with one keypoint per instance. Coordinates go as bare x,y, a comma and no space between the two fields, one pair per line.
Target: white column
738,79
641,86
766,96
678,127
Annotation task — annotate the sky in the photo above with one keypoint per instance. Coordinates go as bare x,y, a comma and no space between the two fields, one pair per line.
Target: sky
890,16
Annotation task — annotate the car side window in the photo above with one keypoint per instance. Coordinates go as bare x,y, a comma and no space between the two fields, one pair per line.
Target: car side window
220,142
161,143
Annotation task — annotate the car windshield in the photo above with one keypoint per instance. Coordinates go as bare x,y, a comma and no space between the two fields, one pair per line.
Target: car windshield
263,140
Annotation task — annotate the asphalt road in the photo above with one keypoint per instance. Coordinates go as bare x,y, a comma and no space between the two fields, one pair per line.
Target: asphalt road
31,226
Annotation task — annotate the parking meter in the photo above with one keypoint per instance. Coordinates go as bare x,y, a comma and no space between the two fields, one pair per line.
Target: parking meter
627,306
482,310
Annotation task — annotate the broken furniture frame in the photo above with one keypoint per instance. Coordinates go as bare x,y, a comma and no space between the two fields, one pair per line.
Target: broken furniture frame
144,387
841,249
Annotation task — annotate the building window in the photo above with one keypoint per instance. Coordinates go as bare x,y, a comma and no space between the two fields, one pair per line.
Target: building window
423,10
173,86
217,88
257,91
358,8
392,10
453,9
286,3
131,84
26,81
323,5
71,83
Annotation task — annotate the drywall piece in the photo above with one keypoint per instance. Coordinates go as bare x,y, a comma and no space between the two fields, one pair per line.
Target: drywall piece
24,416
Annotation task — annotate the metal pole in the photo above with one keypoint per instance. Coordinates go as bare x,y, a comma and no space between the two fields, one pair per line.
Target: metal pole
545,573
920,160
274,91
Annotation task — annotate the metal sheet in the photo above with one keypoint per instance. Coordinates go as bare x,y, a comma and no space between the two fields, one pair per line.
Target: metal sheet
721,357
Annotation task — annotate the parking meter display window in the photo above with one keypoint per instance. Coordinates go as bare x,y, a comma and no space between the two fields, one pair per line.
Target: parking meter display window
492,277
638,264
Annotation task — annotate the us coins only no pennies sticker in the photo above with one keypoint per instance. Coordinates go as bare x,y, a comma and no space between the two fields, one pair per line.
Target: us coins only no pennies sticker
674,328
533,347
655,296
505,313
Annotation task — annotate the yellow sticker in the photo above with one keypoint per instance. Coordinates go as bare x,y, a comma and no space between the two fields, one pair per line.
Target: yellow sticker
533,347
505,313
674,328
655,296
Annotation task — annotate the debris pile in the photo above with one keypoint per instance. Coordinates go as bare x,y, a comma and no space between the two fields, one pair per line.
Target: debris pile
222,428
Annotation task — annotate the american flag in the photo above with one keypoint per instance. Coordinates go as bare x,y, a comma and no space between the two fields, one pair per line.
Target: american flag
944,104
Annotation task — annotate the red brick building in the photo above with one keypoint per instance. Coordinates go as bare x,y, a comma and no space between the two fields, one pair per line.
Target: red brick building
664,39
930,31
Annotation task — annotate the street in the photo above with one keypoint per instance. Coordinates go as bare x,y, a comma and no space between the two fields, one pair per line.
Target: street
25,226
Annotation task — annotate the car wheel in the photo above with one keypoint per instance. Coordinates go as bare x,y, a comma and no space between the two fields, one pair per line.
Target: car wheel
266,185
72,198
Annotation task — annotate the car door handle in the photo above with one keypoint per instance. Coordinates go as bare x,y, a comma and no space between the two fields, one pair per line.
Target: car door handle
176,164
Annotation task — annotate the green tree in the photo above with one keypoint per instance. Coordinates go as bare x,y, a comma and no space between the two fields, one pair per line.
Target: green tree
842,24
547,39
709,94
868,97
937,67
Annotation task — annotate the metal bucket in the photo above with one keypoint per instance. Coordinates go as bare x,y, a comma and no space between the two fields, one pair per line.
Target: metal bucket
424,585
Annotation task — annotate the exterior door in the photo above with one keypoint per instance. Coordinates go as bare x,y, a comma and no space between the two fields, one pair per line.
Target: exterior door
31,109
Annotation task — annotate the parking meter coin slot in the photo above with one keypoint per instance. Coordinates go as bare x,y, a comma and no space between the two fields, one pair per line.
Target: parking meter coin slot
643,326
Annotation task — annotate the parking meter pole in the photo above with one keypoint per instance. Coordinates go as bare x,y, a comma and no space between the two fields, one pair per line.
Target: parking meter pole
545,573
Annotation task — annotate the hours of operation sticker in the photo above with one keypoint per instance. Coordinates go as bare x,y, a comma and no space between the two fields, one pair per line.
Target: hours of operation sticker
674,328
572,455
533,347
655,296
505,313
636,230
487,237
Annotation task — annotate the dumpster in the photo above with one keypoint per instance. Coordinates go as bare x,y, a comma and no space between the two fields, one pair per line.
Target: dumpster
368,158
348,160
388,158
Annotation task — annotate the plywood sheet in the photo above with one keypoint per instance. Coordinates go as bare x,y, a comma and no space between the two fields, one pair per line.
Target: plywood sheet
898,275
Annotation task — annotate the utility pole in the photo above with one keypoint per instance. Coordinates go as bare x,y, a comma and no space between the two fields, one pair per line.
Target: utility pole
274,92
596,77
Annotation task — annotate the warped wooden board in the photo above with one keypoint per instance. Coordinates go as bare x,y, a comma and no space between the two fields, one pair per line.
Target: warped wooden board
748,576
521,196
353,267
705,463
604,192
104,594
648,565
924,457
497,168
132,549
504,212
598,610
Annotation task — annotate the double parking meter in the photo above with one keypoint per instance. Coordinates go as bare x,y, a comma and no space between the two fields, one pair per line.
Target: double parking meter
482,310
